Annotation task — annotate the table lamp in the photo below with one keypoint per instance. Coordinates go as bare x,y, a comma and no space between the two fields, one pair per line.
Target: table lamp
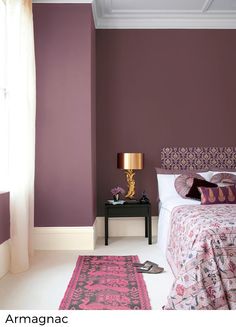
130,162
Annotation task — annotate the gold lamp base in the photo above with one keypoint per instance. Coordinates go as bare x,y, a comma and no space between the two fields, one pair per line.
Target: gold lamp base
131,183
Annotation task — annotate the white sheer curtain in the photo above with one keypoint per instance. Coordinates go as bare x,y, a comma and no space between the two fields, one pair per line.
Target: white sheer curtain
4,178
20,101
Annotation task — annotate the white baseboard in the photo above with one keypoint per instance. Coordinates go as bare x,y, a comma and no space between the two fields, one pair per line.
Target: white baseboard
64,238
130,226
4,258
84,238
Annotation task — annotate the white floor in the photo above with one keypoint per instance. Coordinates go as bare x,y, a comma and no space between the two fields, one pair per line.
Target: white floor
42,287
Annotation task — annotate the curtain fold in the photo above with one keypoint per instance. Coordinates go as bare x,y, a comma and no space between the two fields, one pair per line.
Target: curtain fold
21,104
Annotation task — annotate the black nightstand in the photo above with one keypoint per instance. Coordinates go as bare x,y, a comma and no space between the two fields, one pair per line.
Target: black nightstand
129,210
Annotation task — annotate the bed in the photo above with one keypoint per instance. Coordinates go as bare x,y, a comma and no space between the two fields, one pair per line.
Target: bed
198,240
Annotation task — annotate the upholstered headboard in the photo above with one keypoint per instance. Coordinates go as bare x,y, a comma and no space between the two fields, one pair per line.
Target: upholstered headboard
196,158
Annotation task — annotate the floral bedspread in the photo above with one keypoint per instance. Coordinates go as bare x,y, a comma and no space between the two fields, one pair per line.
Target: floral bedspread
202,255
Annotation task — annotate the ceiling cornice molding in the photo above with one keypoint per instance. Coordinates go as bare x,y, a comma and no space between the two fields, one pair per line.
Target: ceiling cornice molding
204,17
167,22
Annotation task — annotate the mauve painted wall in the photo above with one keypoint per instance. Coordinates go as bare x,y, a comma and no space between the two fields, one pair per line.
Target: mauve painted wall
93,115
4,217
158,88
65,150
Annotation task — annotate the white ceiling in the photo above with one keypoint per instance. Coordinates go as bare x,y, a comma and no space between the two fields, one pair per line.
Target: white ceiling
160,13
165,13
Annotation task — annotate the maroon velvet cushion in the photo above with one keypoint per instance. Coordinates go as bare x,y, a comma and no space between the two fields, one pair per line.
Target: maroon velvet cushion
218,195
194,193
184,182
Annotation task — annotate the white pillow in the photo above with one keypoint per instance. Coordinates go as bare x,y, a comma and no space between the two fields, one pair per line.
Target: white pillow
166,185
207,175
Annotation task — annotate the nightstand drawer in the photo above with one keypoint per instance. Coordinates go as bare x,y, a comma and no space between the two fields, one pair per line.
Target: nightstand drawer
126,211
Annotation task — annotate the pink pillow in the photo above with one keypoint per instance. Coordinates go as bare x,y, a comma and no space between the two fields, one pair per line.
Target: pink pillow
184,182
224,178
218,195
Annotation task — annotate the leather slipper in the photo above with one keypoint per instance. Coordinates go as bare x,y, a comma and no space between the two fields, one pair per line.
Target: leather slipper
154,269
147,263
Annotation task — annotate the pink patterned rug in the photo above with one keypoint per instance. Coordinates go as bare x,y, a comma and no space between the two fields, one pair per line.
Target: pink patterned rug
106,283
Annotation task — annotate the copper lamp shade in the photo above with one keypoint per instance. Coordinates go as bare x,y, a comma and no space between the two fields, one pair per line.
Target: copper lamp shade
130,162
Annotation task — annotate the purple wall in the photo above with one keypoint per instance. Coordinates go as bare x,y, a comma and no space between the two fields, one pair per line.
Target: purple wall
65,132
93,115
4,217
155,88
158,88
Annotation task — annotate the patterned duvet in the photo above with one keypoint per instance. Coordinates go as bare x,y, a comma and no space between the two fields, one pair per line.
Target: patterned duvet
202,255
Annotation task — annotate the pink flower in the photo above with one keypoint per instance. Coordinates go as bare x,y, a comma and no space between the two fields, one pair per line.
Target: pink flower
180,290
232,266
223,237
186,278
216,225
190,234
211,292
206,250
117,190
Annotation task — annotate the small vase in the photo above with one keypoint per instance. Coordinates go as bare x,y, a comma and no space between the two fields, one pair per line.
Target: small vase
116,197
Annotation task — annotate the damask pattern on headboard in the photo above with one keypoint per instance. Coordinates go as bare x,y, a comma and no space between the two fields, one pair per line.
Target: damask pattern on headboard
196,158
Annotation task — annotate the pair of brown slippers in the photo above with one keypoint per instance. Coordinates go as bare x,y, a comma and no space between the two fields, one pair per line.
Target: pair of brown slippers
148,267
